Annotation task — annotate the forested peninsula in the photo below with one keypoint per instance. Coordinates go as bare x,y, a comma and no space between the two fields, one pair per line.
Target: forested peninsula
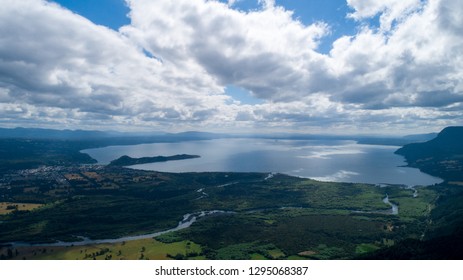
127,161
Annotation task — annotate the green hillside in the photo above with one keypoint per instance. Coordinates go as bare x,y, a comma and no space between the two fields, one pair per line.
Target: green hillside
441,156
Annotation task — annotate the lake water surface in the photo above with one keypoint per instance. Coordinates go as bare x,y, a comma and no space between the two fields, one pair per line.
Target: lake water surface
327,160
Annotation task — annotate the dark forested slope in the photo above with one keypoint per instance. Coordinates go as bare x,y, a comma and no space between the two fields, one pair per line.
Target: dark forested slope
441,156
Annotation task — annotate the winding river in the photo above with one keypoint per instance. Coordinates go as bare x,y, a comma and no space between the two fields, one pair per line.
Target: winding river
394,208
188,220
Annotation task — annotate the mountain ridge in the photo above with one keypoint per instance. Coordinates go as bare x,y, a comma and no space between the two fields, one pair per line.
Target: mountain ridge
441,156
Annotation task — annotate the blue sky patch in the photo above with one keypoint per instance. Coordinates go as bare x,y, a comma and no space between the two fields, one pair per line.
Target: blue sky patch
110,13
242,95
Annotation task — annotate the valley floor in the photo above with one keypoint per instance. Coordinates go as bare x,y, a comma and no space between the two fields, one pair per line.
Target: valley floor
261,216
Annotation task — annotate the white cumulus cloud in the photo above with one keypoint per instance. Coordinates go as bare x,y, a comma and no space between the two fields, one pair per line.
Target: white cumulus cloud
170,67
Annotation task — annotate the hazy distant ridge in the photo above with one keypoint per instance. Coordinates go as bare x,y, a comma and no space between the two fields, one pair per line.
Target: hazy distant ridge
127,138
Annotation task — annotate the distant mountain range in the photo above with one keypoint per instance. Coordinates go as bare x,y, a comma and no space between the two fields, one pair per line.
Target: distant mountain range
421,137
110,137
41,133
115,137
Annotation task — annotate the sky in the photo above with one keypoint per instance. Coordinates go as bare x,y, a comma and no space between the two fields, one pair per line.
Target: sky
306,66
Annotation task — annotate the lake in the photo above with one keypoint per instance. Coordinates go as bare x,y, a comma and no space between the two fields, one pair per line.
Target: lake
324,160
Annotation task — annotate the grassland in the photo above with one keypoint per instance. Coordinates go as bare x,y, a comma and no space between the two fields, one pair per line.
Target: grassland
8,207
144,249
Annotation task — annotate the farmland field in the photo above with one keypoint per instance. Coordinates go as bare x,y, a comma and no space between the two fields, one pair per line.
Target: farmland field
8,207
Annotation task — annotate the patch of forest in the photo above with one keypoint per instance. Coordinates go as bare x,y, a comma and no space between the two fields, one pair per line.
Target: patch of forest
127,161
